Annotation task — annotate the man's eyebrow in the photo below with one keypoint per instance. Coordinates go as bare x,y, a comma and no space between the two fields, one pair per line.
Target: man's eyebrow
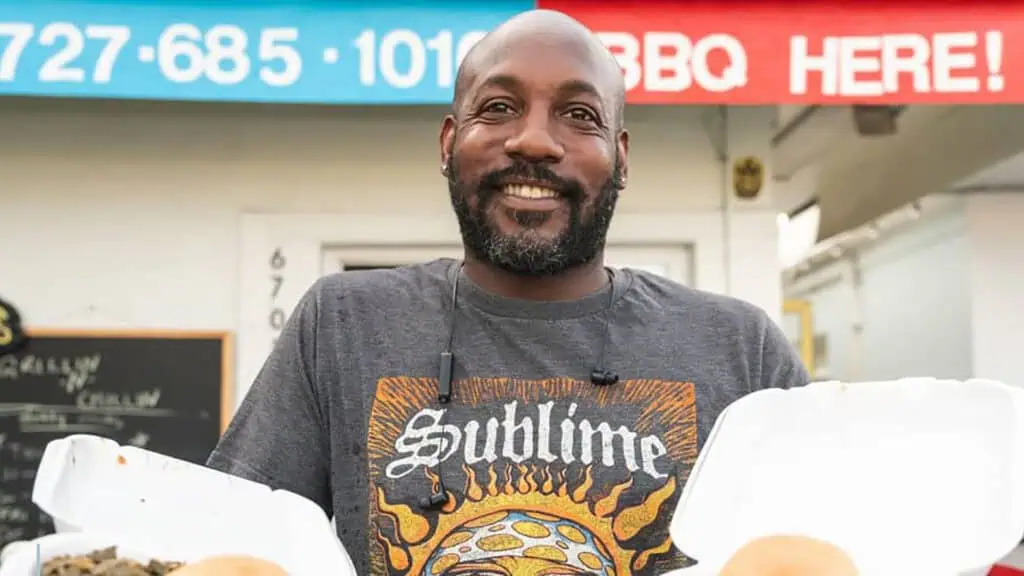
514,84
505,81
577,86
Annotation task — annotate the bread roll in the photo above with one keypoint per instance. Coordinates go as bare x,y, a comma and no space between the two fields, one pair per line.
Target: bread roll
789,556
230,566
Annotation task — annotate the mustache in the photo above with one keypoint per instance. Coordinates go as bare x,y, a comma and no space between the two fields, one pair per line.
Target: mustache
492,182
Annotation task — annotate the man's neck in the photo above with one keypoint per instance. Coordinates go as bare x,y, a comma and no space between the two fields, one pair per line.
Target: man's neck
572,284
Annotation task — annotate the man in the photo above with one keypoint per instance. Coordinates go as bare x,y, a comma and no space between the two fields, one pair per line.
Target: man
579,395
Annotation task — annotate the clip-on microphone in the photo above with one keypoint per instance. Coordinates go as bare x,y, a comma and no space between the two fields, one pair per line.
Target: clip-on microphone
601,377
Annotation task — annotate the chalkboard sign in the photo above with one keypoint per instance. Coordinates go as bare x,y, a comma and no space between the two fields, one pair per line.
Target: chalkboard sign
169,392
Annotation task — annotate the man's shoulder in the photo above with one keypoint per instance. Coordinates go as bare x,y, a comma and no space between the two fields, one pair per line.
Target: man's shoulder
697,307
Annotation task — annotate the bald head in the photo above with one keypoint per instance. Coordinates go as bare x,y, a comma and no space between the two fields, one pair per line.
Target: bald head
544,28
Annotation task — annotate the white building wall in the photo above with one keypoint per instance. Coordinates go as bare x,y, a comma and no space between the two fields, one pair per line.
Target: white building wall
917,315
942,298
996,273
121,214
911,314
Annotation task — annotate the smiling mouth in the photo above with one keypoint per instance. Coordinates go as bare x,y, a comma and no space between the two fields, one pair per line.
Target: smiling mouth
529,192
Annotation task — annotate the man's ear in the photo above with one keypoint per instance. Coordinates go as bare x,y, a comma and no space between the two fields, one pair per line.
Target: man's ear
447,141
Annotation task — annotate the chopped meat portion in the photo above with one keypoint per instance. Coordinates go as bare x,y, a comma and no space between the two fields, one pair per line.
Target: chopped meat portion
105,562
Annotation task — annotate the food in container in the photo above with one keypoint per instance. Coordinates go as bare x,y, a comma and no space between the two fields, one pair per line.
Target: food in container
789,555
82,554
77,555
891,472
105,562
231,566
105,494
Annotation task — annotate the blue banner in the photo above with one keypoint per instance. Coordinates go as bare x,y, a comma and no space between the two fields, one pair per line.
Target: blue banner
303,51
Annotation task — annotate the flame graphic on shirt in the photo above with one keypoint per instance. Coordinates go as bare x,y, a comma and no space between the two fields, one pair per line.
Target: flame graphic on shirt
525,517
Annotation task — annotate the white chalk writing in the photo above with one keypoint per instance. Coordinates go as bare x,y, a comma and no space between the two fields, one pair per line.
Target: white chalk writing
73,373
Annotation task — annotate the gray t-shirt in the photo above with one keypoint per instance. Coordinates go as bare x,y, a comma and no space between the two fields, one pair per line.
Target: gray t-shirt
545,470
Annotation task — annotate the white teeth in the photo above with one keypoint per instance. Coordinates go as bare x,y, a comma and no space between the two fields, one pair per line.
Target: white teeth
531,192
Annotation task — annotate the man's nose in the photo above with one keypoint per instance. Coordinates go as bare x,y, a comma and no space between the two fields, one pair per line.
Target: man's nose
534,141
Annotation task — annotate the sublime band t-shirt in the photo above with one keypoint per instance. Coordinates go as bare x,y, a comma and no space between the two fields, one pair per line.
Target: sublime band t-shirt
547,474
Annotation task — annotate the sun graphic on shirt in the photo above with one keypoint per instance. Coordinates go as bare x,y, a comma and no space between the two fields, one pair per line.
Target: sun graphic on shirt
525,521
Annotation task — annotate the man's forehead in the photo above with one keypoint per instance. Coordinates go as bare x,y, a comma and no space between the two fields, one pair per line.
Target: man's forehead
545,53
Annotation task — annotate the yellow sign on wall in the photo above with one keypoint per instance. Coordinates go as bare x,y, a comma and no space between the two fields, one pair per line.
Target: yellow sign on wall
801,309
747,177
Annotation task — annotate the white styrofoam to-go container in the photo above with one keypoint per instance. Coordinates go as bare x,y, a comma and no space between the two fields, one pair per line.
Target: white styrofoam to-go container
153,506
913,476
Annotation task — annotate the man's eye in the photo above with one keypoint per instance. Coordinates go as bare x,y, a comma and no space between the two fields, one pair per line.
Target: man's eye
582,114
497,108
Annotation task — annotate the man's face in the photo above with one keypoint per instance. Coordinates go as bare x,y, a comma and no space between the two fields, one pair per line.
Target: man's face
535,157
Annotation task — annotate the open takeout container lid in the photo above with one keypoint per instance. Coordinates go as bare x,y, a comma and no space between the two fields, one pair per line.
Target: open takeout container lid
170,509
913,476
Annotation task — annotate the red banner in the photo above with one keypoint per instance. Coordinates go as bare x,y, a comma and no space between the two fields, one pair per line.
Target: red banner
812,53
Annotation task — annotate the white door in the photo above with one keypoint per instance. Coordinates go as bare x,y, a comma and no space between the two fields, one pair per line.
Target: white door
337,259
673,262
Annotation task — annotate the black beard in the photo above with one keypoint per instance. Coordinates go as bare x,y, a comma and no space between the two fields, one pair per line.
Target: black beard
524,254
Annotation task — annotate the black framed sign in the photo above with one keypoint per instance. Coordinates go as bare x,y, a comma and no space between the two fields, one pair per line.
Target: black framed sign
166,391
